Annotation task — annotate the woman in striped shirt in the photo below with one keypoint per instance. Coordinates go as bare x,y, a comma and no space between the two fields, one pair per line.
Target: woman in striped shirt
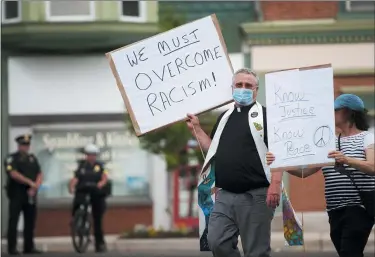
350,224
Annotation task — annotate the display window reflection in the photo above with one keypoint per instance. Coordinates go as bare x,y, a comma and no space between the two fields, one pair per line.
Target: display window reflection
59,151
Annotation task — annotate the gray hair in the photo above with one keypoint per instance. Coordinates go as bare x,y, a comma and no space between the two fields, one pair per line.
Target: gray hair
246,71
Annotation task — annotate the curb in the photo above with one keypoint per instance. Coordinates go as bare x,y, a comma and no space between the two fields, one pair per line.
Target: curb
313,242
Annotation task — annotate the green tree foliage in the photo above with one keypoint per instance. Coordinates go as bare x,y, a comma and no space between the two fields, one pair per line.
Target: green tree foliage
171,141
168,19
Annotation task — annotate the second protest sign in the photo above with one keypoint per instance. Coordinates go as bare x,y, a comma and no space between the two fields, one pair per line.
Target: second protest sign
184,70
300,116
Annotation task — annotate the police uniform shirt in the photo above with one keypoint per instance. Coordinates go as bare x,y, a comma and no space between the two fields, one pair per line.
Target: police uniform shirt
26,164
88,173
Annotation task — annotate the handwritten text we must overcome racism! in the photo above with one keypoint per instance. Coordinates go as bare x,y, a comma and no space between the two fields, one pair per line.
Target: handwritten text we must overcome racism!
159,100
293,106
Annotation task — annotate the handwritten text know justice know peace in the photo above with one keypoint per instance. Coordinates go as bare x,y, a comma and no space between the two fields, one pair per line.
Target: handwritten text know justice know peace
293,105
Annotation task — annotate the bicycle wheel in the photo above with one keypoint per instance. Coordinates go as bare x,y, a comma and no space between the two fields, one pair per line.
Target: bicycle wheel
80,231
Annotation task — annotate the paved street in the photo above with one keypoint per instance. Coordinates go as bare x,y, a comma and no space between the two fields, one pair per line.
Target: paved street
184,254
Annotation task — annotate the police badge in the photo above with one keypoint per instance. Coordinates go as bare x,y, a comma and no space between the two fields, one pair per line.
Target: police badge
9,160
96,168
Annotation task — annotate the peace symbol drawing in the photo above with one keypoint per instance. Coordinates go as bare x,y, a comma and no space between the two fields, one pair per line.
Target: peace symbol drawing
322,136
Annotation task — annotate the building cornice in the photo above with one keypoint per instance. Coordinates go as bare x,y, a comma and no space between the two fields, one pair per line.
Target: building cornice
324,31
89,27
336,72
50,37
358,89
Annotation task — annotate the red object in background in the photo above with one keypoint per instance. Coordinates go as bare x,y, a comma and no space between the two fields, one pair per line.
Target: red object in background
185,178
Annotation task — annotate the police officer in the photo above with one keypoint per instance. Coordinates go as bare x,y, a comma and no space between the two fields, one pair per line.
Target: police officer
91,171
24,177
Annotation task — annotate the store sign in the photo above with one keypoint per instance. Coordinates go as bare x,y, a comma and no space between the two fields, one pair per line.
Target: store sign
58,152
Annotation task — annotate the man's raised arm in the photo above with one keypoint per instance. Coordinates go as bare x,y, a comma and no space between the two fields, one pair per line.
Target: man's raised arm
195,128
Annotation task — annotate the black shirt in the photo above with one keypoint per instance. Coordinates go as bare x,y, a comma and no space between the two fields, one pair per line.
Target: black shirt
238,167
24,163
89,173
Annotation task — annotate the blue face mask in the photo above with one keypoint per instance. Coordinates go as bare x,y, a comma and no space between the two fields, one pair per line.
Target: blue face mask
243,96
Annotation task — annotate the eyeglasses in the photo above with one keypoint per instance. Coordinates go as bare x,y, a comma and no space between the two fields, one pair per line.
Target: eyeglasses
245,85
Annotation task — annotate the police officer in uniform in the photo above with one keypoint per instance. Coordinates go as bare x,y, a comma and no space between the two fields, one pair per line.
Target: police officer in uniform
92,171
24,177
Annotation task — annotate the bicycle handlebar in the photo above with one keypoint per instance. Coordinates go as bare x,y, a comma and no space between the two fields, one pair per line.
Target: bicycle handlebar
89,186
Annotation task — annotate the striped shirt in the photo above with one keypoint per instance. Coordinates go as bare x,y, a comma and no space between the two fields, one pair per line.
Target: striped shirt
339,190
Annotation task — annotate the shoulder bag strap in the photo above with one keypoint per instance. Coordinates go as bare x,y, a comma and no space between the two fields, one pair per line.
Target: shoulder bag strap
350,177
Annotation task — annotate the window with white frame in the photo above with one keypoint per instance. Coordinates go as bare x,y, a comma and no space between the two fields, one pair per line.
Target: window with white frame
360,6
10,11
70,11
133,11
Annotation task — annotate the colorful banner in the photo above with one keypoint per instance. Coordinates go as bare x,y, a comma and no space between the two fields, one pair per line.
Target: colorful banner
293,230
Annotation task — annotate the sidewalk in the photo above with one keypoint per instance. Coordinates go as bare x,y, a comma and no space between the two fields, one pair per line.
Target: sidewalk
313,242
316,235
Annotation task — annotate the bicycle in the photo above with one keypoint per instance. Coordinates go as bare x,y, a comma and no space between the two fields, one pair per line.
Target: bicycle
81,223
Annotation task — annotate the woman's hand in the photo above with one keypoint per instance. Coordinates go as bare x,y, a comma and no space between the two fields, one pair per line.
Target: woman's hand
31,192
270,158
101,184
33,185
339,157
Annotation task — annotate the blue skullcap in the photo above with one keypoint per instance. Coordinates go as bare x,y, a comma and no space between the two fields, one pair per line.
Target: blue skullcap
349,101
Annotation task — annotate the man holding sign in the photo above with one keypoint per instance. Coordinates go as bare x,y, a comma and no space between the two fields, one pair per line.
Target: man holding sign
248,193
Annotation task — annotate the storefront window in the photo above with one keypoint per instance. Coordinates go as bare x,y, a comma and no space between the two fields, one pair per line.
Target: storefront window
59,150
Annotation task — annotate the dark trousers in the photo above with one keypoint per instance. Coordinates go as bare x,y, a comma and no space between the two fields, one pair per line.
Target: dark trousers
19,203
98,205
350,230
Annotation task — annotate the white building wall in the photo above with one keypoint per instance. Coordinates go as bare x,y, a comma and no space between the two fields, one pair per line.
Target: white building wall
62,85
237,60
67,85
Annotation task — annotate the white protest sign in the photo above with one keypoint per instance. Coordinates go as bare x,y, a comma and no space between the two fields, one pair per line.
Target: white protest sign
184,70
300,116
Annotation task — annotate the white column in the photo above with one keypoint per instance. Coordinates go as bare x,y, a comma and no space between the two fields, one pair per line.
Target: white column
159,192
